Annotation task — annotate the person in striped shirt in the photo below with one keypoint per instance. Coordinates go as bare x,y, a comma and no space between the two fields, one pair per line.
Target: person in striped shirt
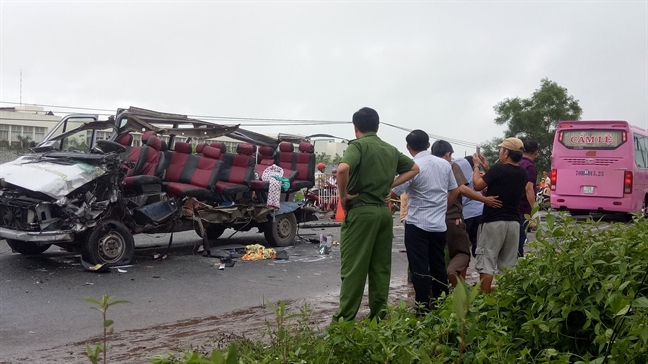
425,227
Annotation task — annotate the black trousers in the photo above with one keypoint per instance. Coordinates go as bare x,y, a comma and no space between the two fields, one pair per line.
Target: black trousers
472,225
426,256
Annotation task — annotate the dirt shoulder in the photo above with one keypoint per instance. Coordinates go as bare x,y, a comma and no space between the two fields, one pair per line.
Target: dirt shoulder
203,333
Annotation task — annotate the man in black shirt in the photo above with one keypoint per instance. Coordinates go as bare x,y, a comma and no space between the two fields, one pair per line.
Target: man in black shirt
499,232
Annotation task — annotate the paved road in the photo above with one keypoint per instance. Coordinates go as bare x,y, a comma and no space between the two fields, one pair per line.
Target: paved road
40,297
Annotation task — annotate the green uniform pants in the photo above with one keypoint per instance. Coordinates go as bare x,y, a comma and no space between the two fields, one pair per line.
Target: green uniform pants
366,249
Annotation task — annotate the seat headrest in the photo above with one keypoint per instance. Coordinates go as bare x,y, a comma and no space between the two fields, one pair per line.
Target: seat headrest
181,147
200,148
154,142
146,135
211,152
125,139
306,147
245,149
221,146
266,152
286,147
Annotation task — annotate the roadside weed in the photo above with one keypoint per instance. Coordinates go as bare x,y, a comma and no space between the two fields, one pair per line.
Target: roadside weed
95,353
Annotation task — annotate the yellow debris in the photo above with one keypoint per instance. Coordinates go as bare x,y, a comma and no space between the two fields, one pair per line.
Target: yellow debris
258,252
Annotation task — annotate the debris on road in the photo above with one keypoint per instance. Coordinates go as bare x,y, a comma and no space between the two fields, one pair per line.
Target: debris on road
258,252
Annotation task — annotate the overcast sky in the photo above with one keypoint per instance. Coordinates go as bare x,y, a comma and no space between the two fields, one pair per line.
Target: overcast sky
437,66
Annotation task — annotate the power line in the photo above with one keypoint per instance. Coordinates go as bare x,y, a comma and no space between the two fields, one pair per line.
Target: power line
437,137
260,121
191,116
282,124
58,106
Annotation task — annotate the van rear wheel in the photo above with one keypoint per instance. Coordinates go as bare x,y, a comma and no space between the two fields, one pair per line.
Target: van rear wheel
214,231
281,230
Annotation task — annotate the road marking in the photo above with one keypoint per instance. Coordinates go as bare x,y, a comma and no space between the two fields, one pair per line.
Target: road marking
303,260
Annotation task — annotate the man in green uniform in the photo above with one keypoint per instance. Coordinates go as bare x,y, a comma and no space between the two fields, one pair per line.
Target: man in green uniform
365,178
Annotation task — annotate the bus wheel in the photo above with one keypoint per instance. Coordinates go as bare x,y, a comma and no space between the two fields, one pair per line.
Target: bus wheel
644,209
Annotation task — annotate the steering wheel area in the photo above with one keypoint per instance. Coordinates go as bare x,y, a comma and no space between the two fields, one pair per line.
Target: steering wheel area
107,146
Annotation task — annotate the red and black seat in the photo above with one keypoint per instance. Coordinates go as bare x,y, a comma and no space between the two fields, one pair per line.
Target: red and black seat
125,139
266,155
144,169
134,152
264,160
220,146
299,166
305,165
237,171
200,147
146,135
186,174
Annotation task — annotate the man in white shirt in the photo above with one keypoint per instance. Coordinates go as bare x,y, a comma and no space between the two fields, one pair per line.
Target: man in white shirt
425,227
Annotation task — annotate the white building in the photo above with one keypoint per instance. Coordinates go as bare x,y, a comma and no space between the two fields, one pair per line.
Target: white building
330,147
19,123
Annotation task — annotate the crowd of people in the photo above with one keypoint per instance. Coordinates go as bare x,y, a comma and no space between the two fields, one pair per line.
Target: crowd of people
464,205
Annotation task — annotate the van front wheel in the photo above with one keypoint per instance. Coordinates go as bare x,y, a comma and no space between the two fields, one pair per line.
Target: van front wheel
110,242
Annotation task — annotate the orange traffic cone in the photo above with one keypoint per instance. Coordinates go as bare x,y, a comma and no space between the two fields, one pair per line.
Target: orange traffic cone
339,212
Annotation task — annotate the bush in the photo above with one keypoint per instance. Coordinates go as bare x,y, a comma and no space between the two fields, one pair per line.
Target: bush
299,196
578,297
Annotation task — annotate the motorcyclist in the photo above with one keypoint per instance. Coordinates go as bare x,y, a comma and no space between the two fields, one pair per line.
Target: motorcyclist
331,182
320,178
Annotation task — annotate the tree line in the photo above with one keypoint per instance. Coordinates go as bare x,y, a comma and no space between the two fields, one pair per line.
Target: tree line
534,119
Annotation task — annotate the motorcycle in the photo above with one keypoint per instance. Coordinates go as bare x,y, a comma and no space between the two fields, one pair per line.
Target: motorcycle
322,202
543,200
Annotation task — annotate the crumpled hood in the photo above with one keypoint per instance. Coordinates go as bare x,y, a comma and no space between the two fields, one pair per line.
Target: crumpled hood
53,179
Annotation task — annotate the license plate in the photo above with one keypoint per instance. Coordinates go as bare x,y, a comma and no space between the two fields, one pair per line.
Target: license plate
588,189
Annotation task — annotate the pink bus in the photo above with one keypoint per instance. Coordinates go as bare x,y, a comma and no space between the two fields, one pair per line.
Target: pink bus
599,166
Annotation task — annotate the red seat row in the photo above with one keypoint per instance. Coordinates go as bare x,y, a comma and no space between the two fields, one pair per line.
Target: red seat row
213,171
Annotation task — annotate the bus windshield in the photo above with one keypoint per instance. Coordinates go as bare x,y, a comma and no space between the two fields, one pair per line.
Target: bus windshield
592,139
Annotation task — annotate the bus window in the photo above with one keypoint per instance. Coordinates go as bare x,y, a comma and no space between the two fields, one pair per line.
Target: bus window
592,139
641,151
645,149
